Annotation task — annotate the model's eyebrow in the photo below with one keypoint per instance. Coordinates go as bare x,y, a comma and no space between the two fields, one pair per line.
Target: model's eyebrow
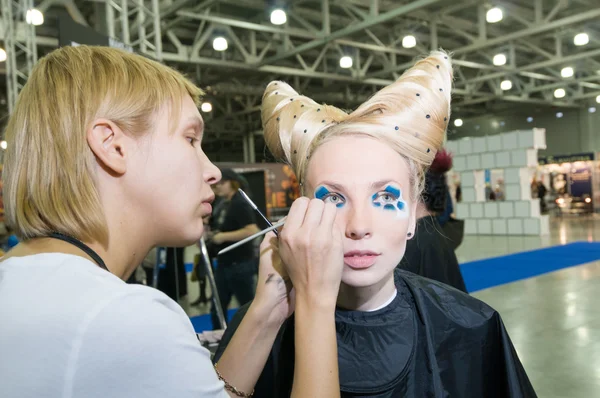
374,185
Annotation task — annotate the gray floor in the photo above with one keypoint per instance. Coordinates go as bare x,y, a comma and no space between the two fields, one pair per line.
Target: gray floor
552,319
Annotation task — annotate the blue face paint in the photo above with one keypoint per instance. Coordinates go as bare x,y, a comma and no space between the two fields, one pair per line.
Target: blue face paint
324,194
391,200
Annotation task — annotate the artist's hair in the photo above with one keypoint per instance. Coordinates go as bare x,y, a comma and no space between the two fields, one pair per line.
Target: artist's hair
410,115
50,171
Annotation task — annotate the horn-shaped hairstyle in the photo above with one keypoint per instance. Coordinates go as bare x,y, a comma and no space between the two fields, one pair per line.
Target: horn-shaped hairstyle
410,115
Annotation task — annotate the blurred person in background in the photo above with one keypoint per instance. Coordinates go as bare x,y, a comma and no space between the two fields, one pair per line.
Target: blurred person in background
430,252
233,219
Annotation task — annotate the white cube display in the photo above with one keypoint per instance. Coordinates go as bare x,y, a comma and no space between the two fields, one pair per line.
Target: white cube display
484,227
515,226
468,195
534,138
523,158
479,145
518,175
507,209
467,179
502,159
494,143
510,141
490,210
474,162
476,210
465,146
452,147
544,225
471,227
462,211
488,160
459,163
516,192
499,227
527,208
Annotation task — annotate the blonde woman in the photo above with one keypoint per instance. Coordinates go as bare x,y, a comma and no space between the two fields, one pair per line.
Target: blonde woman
104,162
399,335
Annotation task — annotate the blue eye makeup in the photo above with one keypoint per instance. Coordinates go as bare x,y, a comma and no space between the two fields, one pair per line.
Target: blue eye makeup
327,196
391,200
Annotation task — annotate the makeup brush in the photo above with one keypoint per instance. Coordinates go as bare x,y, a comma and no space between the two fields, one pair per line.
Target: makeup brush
255,207
248,239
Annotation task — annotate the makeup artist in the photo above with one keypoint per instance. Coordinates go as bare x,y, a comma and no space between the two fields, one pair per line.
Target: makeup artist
122,170
233,219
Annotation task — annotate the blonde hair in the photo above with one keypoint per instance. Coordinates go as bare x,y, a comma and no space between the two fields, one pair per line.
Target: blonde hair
410,115
50,171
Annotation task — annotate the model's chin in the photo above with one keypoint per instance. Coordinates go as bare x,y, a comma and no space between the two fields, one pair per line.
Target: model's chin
361,277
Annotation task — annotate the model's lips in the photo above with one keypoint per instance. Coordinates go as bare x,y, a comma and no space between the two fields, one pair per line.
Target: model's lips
206,205
360,259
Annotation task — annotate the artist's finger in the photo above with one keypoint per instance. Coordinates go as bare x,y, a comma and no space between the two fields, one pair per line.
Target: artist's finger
328,218
314,213
269,242
295,217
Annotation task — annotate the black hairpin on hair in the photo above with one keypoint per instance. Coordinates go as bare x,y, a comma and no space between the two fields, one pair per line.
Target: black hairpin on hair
428,116
437,66
445,57
291,99
397,128
445,118
418,95
276,92
304,131
318,109
295,151
441,89
323,121
302,106
428,150
294,116
277,119
276,83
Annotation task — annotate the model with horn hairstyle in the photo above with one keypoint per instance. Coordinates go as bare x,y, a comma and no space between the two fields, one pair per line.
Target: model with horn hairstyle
399,334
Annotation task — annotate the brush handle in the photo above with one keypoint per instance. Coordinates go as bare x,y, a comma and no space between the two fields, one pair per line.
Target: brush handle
252,237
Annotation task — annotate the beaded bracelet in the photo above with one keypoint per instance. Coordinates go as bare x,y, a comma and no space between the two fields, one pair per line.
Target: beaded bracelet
231,388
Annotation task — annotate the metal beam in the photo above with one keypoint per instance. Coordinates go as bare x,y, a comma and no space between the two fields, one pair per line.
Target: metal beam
379,19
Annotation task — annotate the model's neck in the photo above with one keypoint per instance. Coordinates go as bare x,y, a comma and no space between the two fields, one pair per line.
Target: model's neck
366,298
422,211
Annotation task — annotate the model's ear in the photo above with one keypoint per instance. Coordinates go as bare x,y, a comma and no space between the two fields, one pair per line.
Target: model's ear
108,142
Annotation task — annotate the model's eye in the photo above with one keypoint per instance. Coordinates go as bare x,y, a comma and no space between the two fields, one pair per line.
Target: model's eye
333,198
192,141
386,197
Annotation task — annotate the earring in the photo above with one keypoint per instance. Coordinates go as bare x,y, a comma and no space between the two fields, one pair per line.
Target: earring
409,234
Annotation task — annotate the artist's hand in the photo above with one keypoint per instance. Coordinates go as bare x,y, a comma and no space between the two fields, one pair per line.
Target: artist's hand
218,238
310,245
274,293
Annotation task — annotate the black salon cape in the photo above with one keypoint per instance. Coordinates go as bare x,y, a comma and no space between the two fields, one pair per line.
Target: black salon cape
431,341
430,255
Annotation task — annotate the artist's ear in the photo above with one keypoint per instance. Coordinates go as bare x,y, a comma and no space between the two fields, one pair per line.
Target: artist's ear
412,221
108,142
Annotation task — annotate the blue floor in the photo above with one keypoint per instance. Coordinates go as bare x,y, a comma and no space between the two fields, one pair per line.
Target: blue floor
483,274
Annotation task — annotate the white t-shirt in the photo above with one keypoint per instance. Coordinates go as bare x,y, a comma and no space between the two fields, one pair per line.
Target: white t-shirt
69,328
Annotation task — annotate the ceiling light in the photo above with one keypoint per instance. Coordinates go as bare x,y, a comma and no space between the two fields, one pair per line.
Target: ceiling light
592,109
506,85
494,15
499,59
220,43
477,127
346,62
598,99
566,72
559,93
529,119
2,55
458,122
559,114
3,144
206,107
409,41
581,39
495,124
502,123
34,17
278,17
